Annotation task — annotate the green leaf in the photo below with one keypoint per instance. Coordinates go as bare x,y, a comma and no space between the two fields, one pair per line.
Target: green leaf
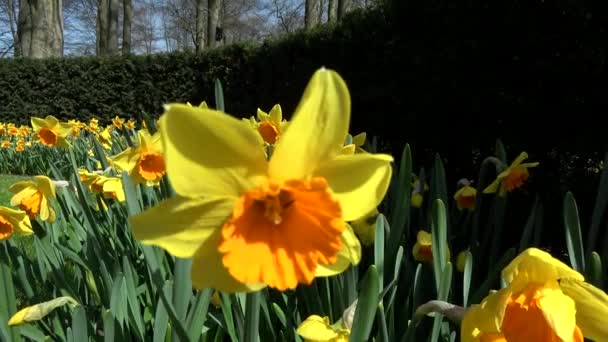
367,304
79,324
601,202
401,205
500,151
381,319
252,317
7,299
444,291
108,326
182,289
526,236
198,314
176,324
219,96
379,249
594,270
161,317
466,278
439,236
574,240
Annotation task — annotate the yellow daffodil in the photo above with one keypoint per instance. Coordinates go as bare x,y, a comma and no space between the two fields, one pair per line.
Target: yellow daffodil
6,144
144,163
423,248
13,130
365,227
318,329
418,193
466,196
248,222
51,132
2,128
512,177
544,300
105,138
93,125
14,222
20,146
271,125
118,122
130,124
109,187
34,197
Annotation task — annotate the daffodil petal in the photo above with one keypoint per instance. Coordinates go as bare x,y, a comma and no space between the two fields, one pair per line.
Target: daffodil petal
359,181
38,123
316,328
559,311
522,156
208,270
349,254
276,115
536,266
359,139
210,153
493,311
591,307
181,225
528,165
318,128
127,159
46,186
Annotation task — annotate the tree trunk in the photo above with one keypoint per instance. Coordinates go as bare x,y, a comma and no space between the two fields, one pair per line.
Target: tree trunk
113,11
12,18
332,10
126,27
200,26
311,13
102,27
343,7
40,28
212,21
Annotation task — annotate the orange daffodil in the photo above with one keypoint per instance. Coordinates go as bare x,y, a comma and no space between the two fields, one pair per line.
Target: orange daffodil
144,163
544,300
511,177
34,197
51,132
466,195
249,222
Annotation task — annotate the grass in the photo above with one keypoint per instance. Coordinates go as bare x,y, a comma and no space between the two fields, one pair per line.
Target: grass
5,182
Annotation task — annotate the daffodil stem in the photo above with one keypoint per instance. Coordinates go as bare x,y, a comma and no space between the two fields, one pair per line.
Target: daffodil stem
252,316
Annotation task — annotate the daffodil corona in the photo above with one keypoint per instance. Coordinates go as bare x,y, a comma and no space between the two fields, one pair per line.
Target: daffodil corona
249,222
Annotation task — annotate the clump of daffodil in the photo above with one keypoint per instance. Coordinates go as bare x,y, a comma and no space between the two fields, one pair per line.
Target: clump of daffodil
144,163
249,222
544,300
512,177
318,329
14,222
365,227
50,132
466,195
34,197
118,122
418,191
423,248
20,146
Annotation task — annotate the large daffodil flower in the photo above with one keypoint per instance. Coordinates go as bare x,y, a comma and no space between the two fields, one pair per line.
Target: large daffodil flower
144,163
51,132
249,222
14,221
34,197
545,300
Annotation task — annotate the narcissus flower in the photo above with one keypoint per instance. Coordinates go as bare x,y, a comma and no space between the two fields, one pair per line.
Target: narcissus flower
271,125
512,177
109,187
465,196
545,300
34,197
14,222
105,138
6,144
144,163
355,146
418,193
20,146
248,222
39,311
318,329
51,132
93,125
423,248
130,124
118,122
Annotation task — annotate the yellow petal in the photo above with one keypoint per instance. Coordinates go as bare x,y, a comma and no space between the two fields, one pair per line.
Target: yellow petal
19,219
316,328
180,225
349,254
46,186
210,153
536,266
591,308
424,238
522,156
559,311
276,115
208,270
359,181
349,149
485,317
38,123
318,128
359,139
529,165
127,159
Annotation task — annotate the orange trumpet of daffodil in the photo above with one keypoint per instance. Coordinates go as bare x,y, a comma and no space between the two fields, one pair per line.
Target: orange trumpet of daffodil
144,163
51,132
248,222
